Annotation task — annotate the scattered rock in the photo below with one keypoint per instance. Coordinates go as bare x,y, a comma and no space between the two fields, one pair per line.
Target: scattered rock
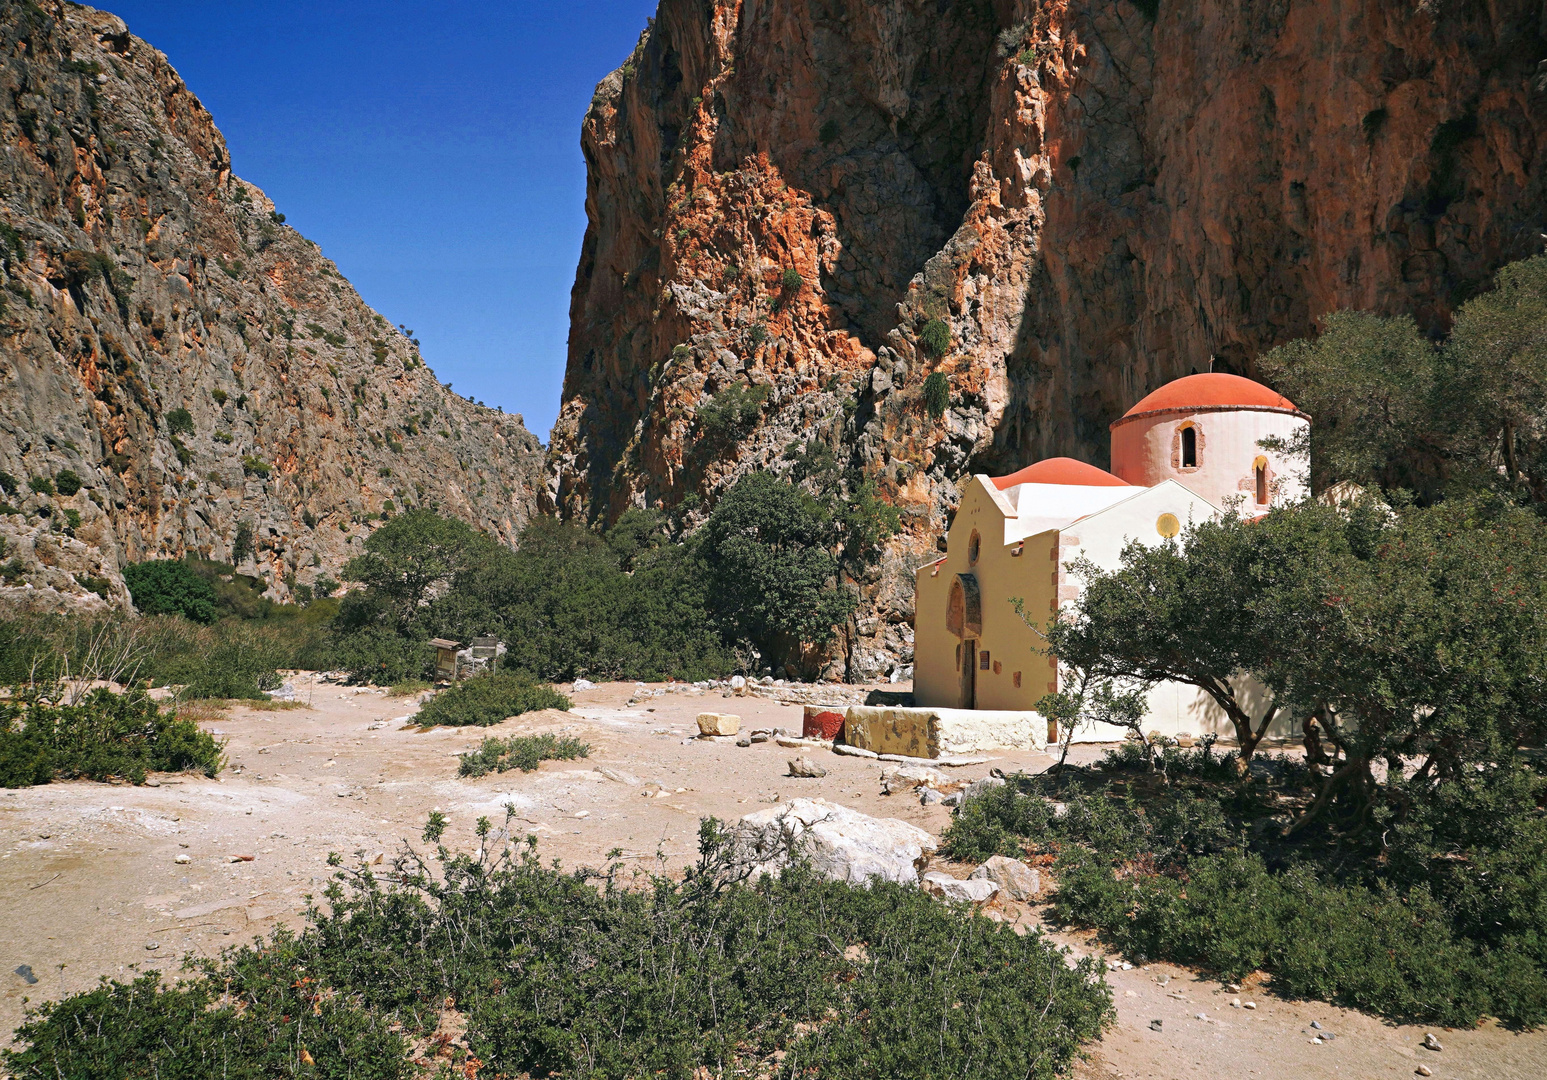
1424,1070
240,858
25,971
978,787
183,859
617,777
1235,1003
1249,1005
841,843
929,796
1019,881
1232,988
1430,1042
855,751
744,741
583,684
582,813
1155,1025
152,946
1316,1024
807,768
738,684
896,778
970,891
713,723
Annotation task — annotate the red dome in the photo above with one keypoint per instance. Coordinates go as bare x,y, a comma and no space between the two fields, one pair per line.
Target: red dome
1214,390
1060,470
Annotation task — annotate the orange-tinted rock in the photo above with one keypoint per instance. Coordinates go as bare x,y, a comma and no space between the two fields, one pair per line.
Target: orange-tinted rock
1096,203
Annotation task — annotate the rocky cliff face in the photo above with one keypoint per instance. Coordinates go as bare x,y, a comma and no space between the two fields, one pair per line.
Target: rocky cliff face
1095,197
194,370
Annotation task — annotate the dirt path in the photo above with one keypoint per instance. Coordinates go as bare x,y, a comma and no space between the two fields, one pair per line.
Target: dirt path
89,878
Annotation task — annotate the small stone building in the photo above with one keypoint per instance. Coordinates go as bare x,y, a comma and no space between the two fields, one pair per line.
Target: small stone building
1180,455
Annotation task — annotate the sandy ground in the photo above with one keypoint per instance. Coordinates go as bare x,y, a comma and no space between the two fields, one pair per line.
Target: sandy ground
90,885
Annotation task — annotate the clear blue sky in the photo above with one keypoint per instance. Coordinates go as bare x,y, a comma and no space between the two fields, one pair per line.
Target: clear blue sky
431,148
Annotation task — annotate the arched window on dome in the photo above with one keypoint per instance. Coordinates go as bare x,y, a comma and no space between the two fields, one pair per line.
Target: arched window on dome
1189,447
1260,476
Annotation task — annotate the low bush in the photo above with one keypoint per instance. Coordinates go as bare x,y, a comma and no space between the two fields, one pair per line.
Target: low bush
67,482
524,752
1439,924
103,735
588,975
488,699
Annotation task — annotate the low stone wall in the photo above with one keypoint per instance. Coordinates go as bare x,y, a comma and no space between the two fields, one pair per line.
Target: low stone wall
936,733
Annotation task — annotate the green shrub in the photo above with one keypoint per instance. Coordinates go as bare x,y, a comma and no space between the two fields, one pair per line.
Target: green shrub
524,752
72,519
485,700
255,467
8,483
67,481
585,975
219,396
179,422
791,281
170,587
1442,928
101,736
41,484
828,132
732,412
241,543
935,338
937,394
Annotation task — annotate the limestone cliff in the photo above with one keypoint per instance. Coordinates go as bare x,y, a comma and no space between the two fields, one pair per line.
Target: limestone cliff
199,366
1095,197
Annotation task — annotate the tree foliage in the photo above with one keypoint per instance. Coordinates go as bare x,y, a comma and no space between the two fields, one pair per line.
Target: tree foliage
770,554
170,587
1408,646
1394,409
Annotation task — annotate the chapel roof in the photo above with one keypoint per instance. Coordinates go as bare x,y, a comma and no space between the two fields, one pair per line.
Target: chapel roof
1212,390
1060,470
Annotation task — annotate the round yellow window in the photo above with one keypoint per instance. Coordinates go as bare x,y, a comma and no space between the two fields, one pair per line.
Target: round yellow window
1167,525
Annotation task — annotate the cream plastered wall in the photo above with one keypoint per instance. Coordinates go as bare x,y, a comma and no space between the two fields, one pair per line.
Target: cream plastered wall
1039,575
1024,569
1147,450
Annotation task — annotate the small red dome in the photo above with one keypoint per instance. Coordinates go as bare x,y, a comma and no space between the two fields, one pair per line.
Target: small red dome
1060,470
1214,390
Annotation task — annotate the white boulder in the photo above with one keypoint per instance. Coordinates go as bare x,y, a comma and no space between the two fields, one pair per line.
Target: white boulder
1017,880
842,844
971,891
896,778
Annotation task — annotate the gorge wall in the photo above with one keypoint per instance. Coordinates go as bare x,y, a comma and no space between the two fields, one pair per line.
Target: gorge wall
1096,197
199,366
